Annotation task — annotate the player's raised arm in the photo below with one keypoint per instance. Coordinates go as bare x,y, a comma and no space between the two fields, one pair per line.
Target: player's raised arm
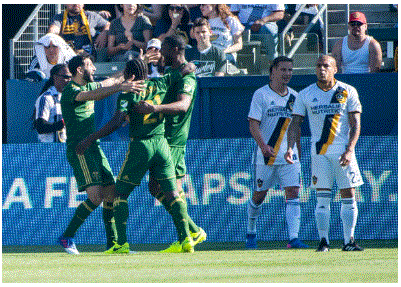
293,136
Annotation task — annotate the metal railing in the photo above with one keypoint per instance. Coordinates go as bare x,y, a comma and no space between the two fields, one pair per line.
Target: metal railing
21,46
323,9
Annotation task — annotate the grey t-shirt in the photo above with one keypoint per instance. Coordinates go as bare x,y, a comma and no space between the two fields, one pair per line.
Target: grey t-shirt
117,29
208,63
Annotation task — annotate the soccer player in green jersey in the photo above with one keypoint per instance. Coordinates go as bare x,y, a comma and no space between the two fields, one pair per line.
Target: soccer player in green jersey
180,100
91,169
148,150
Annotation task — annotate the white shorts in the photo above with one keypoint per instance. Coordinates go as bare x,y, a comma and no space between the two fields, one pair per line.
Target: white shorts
327,168
268,176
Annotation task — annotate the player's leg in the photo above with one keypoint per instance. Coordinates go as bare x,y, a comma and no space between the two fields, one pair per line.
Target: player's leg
290,180
347,179
322,181
108,195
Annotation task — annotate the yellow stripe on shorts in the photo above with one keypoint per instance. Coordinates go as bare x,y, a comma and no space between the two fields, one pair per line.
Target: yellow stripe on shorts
84,168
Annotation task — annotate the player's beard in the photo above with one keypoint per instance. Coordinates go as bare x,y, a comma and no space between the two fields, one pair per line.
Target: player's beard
88,77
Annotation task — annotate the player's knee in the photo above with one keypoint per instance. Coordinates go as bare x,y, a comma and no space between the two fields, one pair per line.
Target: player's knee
258,197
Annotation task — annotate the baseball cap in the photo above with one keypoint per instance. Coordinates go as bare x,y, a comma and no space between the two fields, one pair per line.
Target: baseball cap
156,43
357,17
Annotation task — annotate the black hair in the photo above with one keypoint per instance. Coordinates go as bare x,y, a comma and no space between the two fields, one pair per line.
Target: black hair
175,41
77,61
136,67
201,21
185,17
278,60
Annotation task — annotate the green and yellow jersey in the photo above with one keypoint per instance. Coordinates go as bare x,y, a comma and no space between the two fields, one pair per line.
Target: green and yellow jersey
177,126
79,117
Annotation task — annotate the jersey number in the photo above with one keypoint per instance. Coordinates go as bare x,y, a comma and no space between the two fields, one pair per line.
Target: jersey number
153,117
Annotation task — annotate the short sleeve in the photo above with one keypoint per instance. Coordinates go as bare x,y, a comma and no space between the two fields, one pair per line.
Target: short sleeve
187,85
98,21
256,109
235,25
122,102
43,108
299,106
353,103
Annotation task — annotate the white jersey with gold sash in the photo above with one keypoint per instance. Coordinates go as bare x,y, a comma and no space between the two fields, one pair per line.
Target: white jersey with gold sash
274,113
328,115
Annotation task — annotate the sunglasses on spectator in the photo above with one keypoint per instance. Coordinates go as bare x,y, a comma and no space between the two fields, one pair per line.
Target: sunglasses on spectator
356,24
64,76
176,8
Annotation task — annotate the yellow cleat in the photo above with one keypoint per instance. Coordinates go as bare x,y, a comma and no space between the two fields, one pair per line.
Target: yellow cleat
175,247
199,237
188,245
118,249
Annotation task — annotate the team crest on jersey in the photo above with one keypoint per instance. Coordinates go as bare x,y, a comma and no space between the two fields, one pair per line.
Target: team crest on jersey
341,95
314,179
187,88
259,182
124,103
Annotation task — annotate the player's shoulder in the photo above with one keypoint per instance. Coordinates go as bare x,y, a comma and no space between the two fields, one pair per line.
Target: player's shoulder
307,90
346,86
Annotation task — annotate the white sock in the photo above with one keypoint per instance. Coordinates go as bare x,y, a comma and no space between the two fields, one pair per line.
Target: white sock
322,214
349,214
293,217
253,214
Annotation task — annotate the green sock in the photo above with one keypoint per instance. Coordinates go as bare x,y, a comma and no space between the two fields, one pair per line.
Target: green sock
82,212
109,223
192,226
180,218
161,198
121,212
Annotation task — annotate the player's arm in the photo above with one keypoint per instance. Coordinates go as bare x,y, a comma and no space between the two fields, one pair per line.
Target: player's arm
115,122
354,132
375,56
336,52
293,136
104,92
254,129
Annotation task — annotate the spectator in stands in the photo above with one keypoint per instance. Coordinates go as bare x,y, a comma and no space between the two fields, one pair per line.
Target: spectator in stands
174,21
128,34
357,53
50,50
48,121
261,20
209,59
79,28
107,11
155,66
153,12
194,11
307,15
226,29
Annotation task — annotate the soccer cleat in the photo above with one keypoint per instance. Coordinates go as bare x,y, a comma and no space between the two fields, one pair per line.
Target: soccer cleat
352,246
323,246
296,243
109,245
188,245
251,241
199,237
175,247
68,244
118,249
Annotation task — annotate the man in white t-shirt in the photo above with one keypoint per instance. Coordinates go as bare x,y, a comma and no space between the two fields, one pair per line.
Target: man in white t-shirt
261,20
269,117
334,112
357,53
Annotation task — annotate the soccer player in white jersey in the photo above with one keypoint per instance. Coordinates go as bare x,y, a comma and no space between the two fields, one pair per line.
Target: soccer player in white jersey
334,112
269,118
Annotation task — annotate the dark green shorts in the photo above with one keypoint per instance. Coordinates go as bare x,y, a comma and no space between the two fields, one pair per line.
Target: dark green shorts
178,155
91,168
151,154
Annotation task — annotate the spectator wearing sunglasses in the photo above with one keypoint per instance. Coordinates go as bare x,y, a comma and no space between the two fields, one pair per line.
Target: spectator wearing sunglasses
357,53
175,21
49,122
50,50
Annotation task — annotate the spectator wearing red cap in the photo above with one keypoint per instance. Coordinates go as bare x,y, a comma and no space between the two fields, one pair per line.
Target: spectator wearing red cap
357,53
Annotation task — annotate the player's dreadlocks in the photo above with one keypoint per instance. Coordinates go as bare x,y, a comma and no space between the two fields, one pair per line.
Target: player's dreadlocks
136,67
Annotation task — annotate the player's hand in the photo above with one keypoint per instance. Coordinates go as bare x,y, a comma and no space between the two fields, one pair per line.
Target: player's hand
268,151
133,86
188,68
83,146
105,14
152,56
128,35
289,155
345,158
256,26
144,108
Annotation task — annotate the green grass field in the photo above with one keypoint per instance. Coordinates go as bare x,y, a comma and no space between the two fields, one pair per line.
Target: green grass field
214,262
